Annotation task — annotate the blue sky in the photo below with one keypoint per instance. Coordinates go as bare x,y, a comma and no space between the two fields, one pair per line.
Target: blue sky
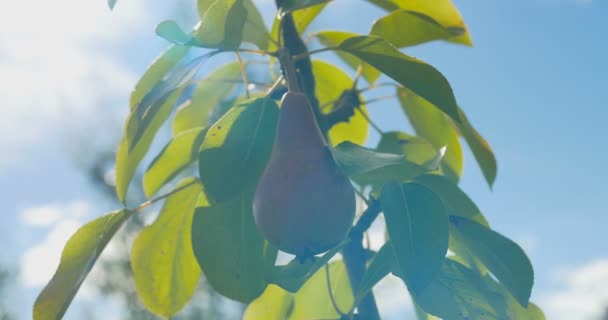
533,84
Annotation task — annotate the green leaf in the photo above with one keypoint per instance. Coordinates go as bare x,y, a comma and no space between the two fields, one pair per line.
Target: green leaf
274,304
312,301
156,72
418,228
415,149
333,39
434,126
503,257
421,28
370,167
331,82
181,151
442,12
78,258
416,75
480,147
288,6
222,23
379,268
253,31
144,121
170,31
208,94
111,4
237,147
455,201
459,293
133,147
165,270
230,249
292,276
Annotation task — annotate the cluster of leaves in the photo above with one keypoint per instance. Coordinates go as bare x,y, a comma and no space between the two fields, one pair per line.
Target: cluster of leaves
226,129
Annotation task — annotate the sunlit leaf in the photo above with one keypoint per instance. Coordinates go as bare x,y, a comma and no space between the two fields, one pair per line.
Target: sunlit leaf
222,23
415,149
367,166
237,147
416,75
442,12
312,301
434,126
417,225
146,118
503,257
334,39
208,94
170,31
293,275
274,304
480,147
156,72
181,151
288,6
165,270
133,147
229,248
77,259
331,82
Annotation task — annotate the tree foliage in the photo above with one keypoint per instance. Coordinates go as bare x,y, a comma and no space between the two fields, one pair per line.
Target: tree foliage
225,130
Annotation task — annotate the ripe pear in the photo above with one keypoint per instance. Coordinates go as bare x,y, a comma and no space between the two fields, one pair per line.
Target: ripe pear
303,203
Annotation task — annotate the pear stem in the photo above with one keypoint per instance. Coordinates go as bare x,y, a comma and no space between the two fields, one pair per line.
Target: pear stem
289,69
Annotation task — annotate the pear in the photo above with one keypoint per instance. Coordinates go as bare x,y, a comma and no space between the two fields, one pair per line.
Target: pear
303,203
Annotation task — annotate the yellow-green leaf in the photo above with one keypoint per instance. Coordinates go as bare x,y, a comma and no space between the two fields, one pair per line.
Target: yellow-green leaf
480,147
208,95
421,29
312,301
78,258
165,270
273,304
175,156
433,125
444,12
330,83
156,72
222,23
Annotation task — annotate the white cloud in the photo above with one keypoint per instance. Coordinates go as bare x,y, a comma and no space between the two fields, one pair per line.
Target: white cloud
47,215
584,294
53,73
39,262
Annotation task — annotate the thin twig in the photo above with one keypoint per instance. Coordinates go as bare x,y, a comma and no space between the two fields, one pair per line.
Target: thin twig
378,99
310,53
243,74
163,196
371,123
331,294
378,85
